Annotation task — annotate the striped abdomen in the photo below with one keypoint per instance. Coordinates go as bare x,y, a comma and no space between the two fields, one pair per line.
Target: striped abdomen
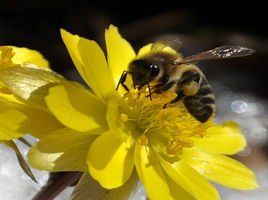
202,104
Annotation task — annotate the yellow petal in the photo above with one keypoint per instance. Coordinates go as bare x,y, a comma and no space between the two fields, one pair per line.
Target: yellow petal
126,190
25,55
224,139
62,150
90,63
29,83
96,68
39,122
176,192
221,169
114,121
11,121
10,97
150,173
110,160
189,179
76,107
119,52
88,187
71,43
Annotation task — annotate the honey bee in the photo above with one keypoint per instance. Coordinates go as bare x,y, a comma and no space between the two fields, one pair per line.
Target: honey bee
162,71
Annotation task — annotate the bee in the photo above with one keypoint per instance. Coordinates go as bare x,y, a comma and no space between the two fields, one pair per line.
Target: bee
162,71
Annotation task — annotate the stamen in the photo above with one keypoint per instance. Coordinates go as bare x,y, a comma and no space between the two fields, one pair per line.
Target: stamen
148,118
123,117
175,146
6,55
143,140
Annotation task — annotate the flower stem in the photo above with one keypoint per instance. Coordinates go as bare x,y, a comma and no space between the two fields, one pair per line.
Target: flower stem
56,185
24,141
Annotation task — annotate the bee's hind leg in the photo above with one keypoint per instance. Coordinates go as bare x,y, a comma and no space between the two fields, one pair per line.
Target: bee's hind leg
190,90
158,89
179,96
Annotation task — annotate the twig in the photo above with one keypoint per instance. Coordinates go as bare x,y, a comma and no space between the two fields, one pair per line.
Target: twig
24,141
55,186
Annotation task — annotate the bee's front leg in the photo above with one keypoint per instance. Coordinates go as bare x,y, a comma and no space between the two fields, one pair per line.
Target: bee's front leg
122,81
150,91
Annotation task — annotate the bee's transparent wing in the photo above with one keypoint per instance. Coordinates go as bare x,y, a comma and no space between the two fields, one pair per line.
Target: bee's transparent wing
172,41
222,52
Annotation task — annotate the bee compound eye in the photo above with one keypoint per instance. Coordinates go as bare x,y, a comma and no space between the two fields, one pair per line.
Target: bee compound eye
154,70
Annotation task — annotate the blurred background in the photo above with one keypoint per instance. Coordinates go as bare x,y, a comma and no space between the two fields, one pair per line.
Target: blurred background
239,84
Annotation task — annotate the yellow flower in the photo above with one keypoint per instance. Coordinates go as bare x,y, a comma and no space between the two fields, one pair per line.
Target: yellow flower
115,136
18,117
11,56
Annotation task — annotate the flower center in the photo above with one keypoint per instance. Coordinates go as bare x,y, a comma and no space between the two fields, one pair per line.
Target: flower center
149,122
144,114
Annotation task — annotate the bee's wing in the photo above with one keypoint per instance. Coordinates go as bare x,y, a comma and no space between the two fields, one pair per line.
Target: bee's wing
172,41
222,52
26,81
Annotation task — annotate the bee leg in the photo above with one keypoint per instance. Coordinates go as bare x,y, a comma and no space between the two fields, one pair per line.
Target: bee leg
150,91
158,89
179,96
192,77
122,81
191,84
165,87
181,92
125,87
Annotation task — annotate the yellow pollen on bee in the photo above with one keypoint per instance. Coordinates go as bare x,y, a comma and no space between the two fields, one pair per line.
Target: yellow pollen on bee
191,88
123,117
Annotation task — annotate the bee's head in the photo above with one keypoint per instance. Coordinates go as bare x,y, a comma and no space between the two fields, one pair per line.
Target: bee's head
142,72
